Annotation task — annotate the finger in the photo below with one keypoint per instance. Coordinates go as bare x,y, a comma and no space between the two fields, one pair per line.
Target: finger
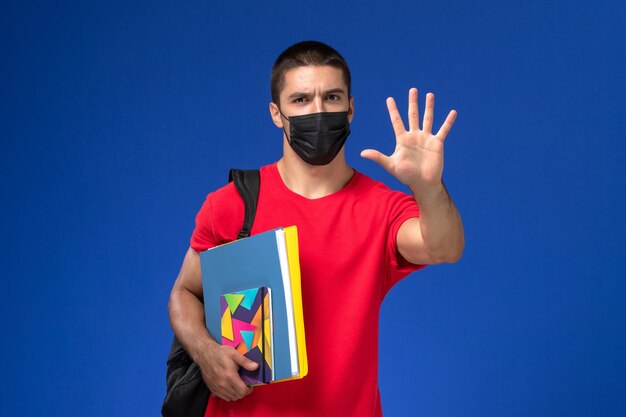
244,362
232,387
218,395
240,388
377,157
227,397
447,125
414,113
427,125
225,391
394,115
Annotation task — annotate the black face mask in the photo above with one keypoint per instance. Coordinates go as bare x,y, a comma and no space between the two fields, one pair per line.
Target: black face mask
317,138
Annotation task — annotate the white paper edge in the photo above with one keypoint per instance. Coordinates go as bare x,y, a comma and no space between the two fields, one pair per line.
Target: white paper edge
269,293
291,327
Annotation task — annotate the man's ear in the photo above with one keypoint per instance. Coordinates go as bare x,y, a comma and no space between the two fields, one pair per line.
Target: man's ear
275,114
351,110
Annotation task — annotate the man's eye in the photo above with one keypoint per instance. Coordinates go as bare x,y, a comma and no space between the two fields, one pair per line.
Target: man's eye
333,97
299,100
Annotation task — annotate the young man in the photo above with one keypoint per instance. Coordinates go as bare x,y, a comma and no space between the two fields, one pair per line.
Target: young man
357,239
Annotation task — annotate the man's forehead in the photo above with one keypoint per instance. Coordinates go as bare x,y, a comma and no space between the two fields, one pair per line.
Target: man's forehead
309,78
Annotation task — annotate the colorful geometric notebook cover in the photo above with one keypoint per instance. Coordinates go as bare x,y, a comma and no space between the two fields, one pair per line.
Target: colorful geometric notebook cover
247,326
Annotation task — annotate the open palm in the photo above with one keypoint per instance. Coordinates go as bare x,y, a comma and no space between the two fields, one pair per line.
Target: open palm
418,158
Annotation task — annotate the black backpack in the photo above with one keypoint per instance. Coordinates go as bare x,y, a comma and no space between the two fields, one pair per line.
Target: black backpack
187,394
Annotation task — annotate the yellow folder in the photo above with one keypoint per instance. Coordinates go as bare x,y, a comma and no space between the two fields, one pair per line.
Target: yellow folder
291,238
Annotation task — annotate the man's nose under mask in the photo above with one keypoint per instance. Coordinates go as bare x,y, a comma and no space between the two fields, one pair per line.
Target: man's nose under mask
317,138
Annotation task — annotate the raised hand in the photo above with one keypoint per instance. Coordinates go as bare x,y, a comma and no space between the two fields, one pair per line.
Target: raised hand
418,158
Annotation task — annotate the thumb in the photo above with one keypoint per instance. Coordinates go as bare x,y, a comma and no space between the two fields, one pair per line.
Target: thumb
374,155
244,362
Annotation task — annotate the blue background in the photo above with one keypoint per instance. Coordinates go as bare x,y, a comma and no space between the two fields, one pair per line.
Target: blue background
117,118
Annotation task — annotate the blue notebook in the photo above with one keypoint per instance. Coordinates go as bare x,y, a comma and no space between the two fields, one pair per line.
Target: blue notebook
251,263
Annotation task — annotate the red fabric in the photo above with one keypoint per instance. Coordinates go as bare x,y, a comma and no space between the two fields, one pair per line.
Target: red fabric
348,263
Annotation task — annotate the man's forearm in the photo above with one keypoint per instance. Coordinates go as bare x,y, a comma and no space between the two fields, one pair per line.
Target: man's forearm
440,223
187,318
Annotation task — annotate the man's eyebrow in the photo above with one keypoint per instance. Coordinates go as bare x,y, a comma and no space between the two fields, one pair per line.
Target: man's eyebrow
335,91
297,94
303,94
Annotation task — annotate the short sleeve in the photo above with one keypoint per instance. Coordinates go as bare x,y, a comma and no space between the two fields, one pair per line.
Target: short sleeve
219,219
203,236
403,207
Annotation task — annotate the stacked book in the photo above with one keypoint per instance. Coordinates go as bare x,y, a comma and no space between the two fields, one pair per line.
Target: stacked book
253,302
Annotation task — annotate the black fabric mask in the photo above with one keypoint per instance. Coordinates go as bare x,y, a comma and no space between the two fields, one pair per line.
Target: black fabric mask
317,138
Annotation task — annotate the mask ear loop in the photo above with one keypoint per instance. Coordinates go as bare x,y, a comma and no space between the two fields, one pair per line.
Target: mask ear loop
287,118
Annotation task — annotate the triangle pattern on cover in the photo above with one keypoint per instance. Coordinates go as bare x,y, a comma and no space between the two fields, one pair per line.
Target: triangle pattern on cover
233,301
247,338
248,297
227,325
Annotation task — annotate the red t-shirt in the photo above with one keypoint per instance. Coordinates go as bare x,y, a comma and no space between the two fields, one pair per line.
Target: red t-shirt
348,262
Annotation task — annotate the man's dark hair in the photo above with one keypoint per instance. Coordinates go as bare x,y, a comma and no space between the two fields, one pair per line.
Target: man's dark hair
303,54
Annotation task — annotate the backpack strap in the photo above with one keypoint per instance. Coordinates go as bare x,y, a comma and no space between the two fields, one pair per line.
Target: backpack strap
248,183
